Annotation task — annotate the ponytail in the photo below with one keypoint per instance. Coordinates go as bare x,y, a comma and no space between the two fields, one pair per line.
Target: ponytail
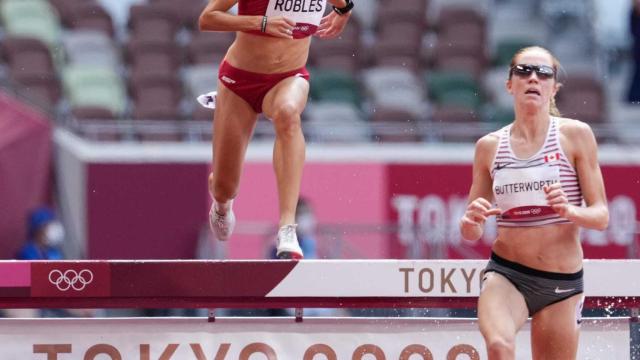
553,108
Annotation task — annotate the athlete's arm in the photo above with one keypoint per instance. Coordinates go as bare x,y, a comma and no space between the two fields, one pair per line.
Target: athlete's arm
481,193
215,17
584,148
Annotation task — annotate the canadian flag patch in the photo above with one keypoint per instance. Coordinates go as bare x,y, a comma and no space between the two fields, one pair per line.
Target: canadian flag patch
552,157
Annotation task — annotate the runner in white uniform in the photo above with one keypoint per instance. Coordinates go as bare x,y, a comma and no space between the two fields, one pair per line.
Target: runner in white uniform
542,173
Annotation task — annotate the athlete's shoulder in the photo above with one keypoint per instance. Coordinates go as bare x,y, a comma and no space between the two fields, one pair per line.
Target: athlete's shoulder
489,141
486,148
574,129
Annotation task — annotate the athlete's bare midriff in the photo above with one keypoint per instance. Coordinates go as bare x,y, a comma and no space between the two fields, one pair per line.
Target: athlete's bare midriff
266,54
554,248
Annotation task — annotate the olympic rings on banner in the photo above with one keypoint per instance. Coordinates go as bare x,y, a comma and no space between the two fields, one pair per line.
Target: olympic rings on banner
70,279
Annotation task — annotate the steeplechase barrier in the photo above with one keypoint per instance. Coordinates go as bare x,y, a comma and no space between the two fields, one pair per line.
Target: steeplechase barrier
609,284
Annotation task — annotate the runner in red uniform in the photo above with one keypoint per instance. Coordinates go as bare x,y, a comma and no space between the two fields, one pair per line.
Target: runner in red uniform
264,71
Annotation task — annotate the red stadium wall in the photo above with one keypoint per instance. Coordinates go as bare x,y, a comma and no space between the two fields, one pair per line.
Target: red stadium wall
145,211
156,210
428,200
25,169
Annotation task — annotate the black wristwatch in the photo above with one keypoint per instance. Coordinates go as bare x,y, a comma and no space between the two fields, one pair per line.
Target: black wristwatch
344,10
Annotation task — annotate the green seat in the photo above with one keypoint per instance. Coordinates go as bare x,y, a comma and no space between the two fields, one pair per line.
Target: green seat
505,50
462,97
46,30
31,18
15,10
335,86
94,86
500,116
34,19
454,88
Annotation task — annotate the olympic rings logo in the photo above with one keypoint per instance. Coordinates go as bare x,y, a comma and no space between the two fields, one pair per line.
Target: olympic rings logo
70,279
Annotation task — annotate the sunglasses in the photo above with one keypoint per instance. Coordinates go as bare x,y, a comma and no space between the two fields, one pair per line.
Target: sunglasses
544,72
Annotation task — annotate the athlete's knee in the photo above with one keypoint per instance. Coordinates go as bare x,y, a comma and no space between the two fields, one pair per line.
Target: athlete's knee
287,118
500,347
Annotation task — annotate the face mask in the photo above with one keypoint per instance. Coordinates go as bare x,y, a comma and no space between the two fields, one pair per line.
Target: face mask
306,223
54,234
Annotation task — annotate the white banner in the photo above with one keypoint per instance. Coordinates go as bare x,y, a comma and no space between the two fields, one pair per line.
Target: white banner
402,278
278,338
434,278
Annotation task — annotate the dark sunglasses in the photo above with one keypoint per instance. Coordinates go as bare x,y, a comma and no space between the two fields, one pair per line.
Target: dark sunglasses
525,70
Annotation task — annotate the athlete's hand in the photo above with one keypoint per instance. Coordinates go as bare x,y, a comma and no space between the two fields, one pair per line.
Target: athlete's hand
557,199
332,25
478,211
280,26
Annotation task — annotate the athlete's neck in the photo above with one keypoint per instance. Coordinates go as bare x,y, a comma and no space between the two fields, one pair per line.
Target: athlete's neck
530,127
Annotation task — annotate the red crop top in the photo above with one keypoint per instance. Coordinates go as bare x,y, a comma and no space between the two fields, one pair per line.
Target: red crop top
306,13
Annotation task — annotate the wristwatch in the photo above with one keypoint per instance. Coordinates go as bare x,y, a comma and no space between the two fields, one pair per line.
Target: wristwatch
344,10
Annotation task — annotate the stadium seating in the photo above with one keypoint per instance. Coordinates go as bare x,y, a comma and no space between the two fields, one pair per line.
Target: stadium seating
399,68
87,85
91,47
335,86
91,16
336,122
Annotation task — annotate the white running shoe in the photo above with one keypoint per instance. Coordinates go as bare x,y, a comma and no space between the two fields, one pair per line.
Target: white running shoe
288,247
221,225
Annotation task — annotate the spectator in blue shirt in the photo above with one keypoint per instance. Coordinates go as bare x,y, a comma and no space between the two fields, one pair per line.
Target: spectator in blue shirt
45,238
46,235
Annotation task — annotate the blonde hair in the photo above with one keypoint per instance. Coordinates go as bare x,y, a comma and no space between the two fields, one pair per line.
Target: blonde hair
553,108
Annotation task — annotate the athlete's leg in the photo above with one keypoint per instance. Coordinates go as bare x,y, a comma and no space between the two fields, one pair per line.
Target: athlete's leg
501,313
232,129
284,104
233,126
555,330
